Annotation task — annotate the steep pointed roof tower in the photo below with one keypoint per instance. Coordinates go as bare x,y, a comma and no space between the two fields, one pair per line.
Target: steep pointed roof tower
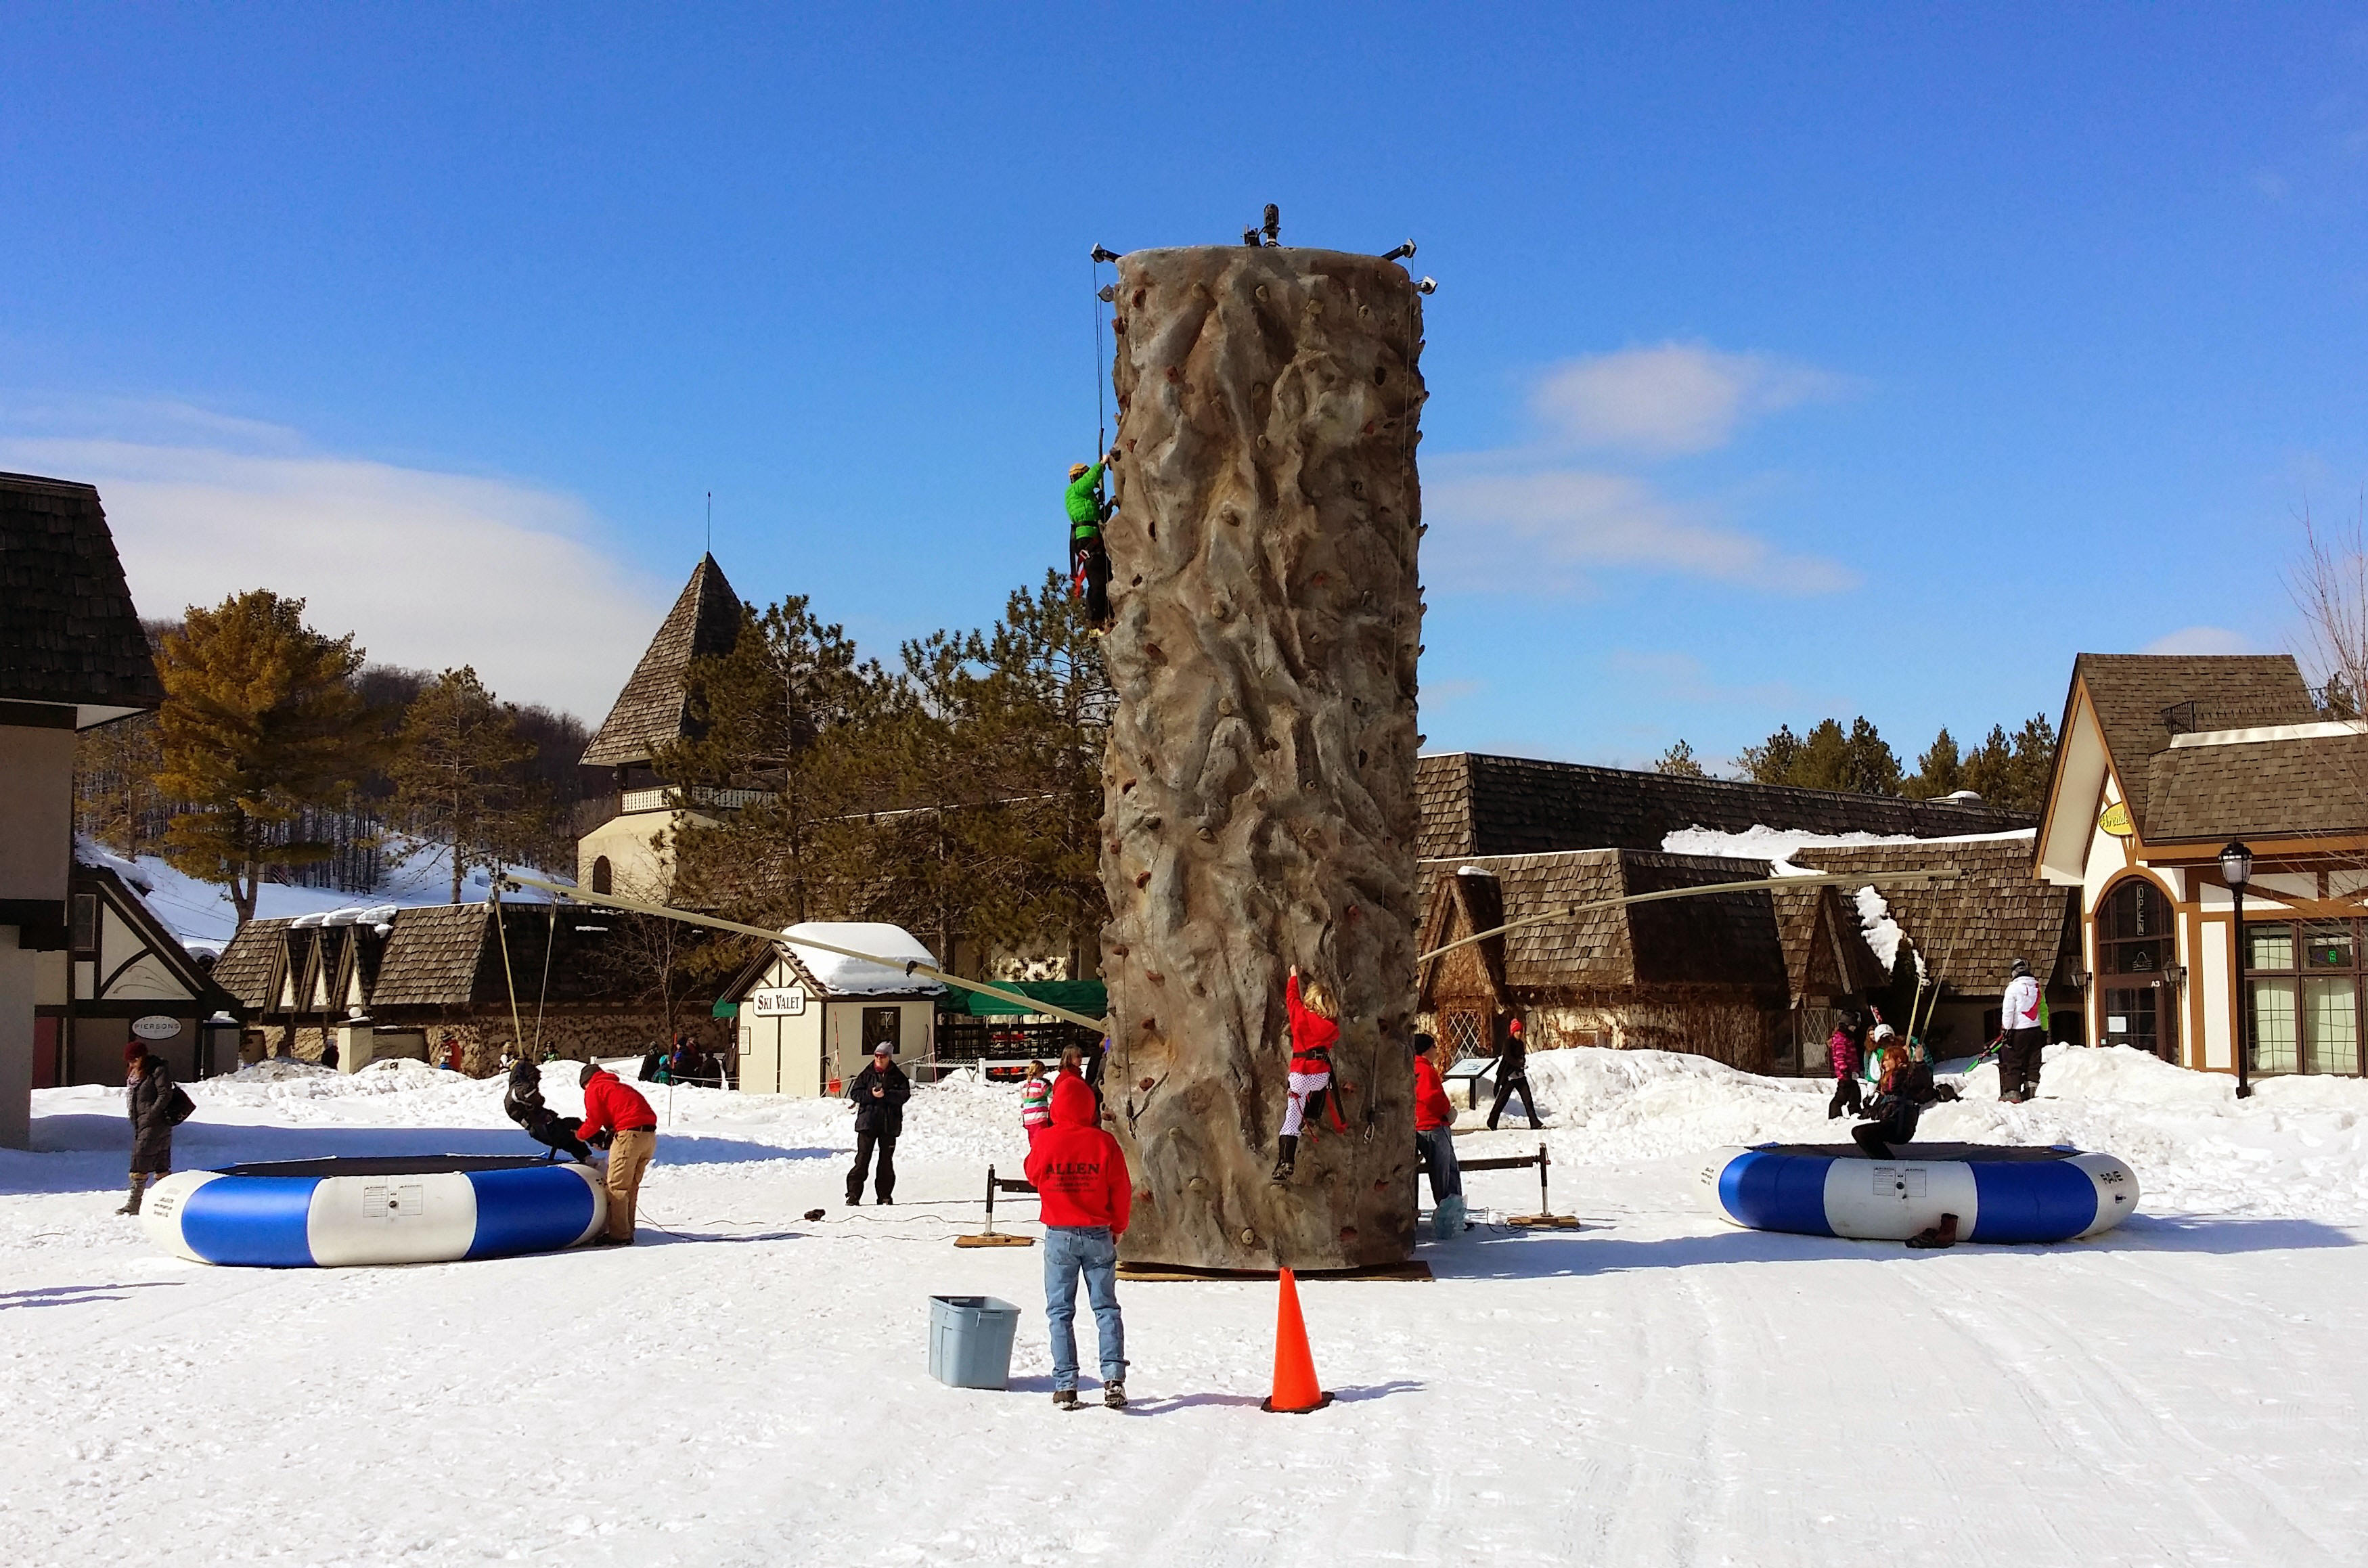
652,709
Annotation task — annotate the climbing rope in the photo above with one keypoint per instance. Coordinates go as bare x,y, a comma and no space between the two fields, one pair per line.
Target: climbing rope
549,941
509,977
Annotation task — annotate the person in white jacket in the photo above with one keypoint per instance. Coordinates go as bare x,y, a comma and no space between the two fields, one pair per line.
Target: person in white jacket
2022,1037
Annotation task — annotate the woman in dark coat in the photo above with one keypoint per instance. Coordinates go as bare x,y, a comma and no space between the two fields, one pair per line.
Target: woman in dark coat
151,1094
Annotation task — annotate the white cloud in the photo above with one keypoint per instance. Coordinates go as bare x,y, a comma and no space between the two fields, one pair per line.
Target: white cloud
2201,639
1544,530
427,568
1676,398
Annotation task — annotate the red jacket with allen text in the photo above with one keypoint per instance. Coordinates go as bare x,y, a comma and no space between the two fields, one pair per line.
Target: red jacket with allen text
1078,1169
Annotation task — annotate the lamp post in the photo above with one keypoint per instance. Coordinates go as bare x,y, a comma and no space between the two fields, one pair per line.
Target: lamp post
2236,867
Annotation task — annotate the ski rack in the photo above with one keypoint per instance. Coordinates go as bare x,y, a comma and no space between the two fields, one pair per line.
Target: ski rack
1545,1219
991,1237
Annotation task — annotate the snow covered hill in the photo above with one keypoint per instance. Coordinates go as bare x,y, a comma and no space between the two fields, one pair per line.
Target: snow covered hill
749,1386
199,914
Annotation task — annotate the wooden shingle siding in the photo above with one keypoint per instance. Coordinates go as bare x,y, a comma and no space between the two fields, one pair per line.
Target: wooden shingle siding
68,631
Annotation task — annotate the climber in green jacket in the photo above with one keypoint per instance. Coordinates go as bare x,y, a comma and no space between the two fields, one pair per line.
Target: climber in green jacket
1089,568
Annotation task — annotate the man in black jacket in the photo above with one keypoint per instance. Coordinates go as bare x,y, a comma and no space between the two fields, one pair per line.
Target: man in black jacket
1513,1072
879,1092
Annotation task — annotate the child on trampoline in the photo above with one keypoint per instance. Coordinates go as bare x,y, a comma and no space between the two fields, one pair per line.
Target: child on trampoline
1314,1031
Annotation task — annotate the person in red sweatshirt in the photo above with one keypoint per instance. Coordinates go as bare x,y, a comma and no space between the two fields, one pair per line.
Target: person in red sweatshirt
1314,1031
616,1118
1434,1123
1080,1174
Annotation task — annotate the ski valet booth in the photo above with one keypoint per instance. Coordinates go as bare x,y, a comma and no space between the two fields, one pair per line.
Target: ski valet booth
808,1017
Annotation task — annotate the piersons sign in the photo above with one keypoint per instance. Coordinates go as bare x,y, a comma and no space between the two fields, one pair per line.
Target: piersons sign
788,1004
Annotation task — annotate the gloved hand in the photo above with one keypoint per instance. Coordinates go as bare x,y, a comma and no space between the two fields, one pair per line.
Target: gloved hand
602,1138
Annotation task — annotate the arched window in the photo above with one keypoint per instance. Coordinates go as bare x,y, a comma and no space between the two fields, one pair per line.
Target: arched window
2135,946
601,876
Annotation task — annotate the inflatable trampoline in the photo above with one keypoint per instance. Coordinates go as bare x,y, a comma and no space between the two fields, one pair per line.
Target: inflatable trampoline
332,1213
1999,1194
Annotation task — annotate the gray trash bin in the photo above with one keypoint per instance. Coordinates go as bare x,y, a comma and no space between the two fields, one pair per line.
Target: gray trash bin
969,1341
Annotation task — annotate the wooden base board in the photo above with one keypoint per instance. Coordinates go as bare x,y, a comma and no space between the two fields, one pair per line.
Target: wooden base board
997,1240
1153,1272
1545,1221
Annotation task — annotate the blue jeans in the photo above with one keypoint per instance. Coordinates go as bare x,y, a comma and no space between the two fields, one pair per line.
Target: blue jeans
1071,1250
1437,1148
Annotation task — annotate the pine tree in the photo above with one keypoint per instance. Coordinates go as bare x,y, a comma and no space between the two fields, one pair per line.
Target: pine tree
789,712
1770,762
2034,760
1938,771
1988,772
260,721
1825,759
1678,762
1870,767
458,774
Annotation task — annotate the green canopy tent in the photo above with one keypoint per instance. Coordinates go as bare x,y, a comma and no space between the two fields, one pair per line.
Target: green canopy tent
1087,996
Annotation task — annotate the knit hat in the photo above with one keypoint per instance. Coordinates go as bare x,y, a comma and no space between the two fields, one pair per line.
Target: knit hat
1078,470
583,1079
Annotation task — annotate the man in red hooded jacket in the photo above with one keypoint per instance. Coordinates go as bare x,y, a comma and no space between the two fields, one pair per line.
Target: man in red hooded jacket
616,1118
1080,1173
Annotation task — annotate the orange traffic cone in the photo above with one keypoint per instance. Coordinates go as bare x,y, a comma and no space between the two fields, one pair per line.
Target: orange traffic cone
1295,1390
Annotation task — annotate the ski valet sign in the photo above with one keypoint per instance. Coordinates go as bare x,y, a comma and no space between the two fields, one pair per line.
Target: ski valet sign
788,1004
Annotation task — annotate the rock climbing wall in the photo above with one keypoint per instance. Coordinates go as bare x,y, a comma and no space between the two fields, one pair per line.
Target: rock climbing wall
1259,806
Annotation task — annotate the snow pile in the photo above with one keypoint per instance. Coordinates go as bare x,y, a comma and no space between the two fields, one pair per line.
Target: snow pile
1777,846
856,977
1882,933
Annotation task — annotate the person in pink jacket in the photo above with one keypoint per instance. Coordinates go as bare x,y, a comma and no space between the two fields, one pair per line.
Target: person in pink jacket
1847,1051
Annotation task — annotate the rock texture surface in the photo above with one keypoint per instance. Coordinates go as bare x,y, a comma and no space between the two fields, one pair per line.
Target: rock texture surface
1259,805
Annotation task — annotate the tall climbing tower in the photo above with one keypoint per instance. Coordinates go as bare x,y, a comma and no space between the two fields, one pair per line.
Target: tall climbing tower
1258,792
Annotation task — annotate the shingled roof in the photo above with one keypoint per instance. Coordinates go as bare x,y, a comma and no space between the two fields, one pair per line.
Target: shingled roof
68,633
249,967
2281,785
1718,940
1476,805
652,710
2135,695
1967,929
432,957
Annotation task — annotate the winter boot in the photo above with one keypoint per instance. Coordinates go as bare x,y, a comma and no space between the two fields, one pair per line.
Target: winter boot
1944,1235
1064,1398
139,1185
1114,1396
1287,1159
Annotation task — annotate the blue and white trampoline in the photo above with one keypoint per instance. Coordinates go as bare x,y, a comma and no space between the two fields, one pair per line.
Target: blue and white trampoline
1998,1193
332,1213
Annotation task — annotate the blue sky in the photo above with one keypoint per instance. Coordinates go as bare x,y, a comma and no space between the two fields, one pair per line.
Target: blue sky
1786,361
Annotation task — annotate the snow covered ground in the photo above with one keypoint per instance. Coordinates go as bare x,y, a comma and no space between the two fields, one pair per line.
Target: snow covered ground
201,915
749,1386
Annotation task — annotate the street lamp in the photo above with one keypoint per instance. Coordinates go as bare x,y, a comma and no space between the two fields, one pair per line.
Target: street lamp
2236,869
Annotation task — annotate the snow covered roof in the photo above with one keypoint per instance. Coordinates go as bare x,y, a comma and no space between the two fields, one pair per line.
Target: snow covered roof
840,976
